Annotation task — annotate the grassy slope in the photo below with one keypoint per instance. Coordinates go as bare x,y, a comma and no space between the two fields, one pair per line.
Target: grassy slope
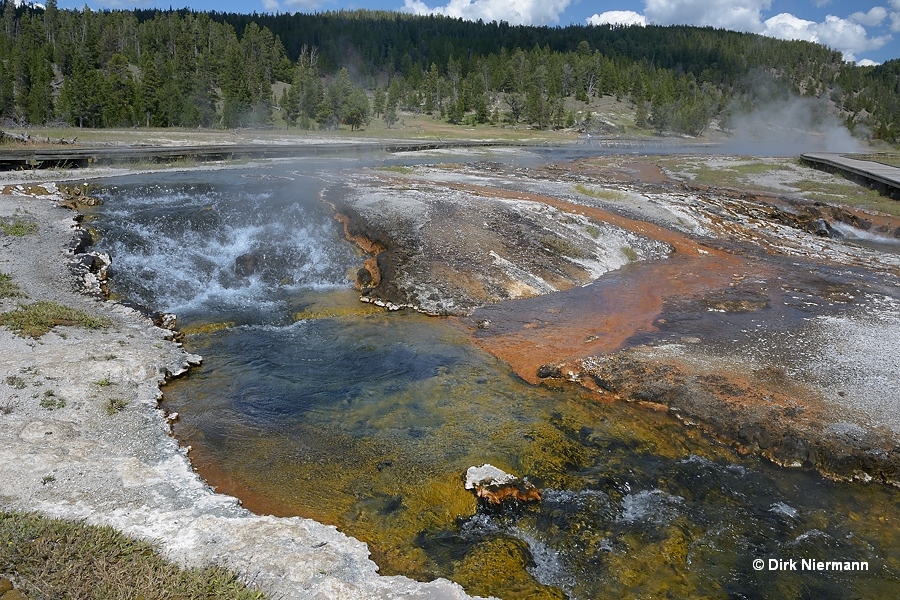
52,558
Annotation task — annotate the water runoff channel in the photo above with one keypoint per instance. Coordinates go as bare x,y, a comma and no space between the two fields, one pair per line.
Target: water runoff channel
311,403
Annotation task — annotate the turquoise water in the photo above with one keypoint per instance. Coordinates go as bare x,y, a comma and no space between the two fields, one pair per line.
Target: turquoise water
311,403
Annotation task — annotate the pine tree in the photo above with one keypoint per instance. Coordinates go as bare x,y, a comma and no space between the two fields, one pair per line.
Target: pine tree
118,93
378,101
432,89
390,116
81,97
290,100
7,97
356,111
148,92
235,89
9,19
51,17
39,102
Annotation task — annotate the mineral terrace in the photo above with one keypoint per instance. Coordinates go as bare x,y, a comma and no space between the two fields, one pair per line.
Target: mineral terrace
748,314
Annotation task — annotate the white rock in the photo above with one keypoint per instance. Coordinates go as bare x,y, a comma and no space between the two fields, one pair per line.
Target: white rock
487,475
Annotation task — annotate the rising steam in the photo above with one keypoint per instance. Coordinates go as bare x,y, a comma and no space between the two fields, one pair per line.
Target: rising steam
769,119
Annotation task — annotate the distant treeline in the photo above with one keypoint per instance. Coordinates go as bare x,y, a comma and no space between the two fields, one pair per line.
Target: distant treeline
189,69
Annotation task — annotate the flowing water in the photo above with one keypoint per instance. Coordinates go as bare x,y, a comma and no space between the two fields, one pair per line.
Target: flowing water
311,403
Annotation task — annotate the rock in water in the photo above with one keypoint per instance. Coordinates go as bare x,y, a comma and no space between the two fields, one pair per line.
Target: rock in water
246,265
494,486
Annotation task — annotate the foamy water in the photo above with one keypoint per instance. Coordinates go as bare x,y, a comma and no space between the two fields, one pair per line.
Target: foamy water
189,247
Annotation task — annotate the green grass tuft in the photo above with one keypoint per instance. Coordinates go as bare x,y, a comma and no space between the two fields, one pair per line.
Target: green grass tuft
115,406
53,558
15,381
593,231
630,253
34,320
51,401
562,247
17,227
600,194
8,287
396,169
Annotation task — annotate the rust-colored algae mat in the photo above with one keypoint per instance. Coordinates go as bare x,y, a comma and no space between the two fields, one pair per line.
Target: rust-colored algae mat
601,317
596,319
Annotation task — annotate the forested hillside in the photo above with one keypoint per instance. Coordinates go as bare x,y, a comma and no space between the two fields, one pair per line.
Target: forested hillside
189,69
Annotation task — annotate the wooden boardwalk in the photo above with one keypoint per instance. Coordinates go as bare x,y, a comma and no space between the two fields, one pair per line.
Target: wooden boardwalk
62,156
27,158
882,177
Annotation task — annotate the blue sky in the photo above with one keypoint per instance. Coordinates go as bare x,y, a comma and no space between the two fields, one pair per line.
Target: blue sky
865,31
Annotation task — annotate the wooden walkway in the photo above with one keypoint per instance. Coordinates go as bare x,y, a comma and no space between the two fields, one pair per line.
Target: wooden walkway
65,156
26,158
882,177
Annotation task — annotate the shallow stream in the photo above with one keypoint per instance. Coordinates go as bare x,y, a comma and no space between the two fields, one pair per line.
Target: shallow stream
311,403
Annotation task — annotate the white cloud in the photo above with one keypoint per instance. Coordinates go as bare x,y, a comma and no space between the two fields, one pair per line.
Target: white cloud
841,34
847,36
786,26
271,6
618,17
299,5
416,7
867,63
110,4
521,12
895,21
737,15
872,18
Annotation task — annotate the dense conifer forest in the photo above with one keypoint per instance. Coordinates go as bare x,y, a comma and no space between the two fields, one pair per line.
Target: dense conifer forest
180,68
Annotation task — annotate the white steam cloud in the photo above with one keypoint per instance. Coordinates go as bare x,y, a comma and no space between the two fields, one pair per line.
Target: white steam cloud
788,127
